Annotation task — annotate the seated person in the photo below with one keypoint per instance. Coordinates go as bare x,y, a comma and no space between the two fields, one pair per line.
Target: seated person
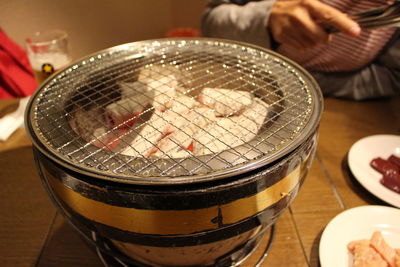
354,63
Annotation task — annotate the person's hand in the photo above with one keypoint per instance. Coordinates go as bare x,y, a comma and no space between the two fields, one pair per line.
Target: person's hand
301,23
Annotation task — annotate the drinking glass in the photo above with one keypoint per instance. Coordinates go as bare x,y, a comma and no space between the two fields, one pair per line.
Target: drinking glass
47,52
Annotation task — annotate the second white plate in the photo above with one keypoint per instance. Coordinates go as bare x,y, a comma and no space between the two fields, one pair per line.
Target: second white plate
360,156
354,224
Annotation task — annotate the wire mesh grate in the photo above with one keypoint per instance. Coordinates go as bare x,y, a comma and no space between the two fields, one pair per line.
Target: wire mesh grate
174,108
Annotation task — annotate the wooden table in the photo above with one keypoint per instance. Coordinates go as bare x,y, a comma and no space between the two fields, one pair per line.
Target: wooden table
32,233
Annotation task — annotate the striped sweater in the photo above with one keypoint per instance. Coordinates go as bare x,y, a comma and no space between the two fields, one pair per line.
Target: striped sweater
344,53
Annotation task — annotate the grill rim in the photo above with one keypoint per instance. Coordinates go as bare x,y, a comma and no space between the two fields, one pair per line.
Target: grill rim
311,125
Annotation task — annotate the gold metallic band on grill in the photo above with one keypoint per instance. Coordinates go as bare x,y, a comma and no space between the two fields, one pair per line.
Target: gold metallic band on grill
175,222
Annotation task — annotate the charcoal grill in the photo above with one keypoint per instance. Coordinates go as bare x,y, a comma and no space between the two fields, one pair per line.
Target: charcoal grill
209,204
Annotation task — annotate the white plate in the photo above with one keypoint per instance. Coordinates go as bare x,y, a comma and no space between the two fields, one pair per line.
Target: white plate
360,156
354,224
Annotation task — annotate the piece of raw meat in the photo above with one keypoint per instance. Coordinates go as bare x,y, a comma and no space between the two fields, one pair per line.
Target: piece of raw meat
386,251
364,255
390,171
391,180
395,160
384,166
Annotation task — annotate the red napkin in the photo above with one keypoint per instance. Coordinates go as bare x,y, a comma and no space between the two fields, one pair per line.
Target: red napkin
16,77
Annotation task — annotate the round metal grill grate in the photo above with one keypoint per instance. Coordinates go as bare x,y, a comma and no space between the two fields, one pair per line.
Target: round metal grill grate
90,116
